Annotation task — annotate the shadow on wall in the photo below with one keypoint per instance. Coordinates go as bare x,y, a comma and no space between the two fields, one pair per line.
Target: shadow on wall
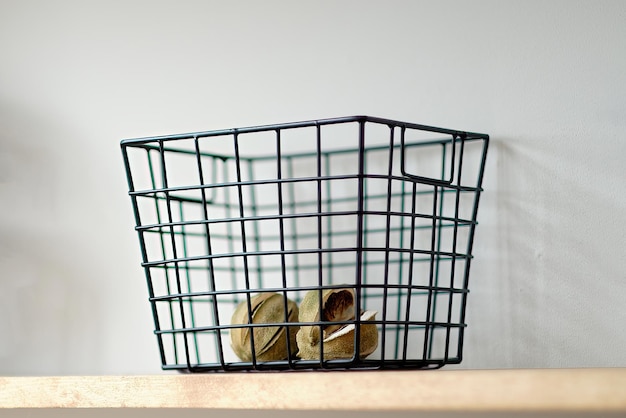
44,299
558,286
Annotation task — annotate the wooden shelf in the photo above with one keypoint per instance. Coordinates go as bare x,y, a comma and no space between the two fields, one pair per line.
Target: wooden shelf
531,390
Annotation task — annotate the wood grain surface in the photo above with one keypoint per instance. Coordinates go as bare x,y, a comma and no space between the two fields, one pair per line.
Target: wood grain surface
441,390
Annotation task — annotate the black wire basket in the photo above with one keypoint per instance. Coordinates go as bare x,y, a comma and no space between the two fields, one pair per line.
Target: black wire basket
341,243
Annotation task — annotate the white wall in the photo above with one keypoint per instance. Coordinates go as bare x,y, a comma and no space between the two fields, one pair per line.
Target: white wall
546,79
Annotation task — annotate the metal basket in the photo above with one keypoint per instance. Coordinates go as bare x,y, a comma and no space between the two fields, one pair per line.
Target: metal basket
384,209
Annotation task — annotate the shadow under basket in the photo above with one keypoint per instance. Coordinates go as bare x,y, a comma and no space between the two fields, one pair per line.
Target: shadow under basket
365,215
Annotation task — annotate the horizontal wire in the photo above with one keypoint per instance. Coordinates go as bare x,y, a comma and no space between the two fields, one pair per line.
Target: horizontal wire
300,203
298,251
314,179
267,269
301,236
402,324
303,216
190,296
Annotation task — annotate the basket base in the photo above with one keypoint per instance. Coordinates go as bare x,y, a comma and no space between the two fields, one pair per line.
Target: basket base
304,366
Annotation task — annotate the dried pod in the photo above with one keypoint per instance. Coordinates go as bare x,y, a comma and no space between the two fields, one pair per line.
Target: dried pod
337,306
340,344
270,342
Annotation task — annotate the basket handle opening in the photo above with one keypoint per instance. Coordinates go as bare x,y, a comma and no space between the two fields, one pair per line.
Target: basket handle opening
449,162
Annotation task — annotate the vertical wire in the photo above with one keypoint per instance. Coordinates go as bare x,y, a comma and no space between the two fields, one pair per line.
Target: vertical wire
192,301
281,228
439,230
401,257
329,236
291,188
144,252
359,243
387,244
174,252
410,273
163,254
470,242
429,322
244,244
209,248
255,226
364,262
454,242
320,245
320,274
230,235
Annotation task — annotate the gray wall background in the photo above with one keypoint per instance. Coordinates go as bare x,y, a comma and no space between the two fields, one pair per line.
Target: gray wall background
546,79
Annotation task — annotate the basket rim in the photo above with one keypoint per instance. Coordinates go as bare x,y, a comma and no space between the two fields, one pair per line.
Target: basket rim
302,124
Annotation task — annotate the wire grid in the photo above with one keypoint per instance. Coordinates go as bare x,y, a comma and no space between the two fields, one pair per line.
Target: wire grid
386,208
